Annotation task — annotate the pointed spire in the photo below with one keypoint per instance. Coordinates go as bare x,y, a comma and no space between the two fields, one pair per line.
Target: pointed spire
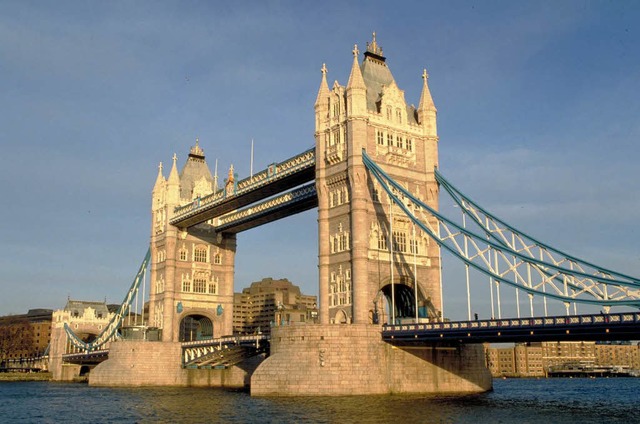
173,175
427,110
323,91
355,79
160,179
426,101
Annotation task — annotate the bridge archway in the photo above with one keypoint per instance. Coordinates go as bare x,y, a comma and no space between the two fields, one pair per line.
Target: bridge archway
195,327
341,317
405,302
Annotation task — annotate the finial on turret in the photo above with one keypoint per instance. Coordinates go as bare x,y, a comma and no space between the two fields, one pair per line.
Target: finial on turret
230,176
374,50
324,69
373,47
196,151
355,50
160,168
425,75
175,158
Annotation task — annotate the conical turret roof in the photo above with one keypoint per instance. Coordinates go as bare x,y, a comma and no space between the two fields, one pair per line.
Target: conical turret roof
194,170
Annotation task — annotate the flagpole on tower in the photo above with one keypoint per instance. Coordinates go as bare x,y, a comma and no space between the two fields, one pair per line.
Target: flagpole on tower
251,158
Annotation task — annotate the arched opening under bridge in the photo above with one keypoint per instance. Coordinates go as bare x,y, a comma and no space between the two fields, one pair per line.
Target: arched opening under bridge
195,327
405,303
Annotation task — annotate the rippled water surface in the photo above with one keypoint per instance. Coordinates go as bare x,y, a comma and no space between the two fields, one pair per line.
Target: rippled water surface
511,401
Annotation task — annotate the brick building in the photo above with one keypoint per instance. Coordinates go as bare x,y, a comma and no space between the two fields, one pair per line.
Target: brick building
35,324
271,302
535,359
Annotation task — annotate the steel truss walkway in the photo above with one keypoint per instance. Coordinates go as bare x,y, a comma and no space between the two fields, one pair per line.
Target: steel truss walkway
277,178
287,204
622,326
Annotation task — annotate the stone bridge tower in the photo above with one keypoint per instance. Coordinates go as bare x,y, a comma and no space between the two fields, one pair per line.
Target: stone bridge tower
191,295
356,222
356,228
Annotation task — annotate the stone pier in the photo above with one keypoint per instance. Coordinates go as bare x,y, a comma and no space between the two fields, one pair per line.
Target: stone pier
337,360
143,363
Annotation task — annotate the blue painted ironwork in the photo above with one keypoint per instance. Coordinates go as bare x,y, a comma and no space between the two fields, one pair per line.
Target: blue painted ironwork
515,239
565,284
110,331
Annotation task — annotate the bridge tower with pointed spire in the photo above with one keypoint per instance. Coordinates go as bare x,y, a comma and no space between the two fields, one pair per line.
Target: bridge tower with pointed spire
191,294
373,267
367,251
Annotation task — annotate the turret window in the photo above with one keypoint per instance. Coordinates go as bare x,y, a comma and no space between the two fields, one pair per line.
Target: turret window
380,137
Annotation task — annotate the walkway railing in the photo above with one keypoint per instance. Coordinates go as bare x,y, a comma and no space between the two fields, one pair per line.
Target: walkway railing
619,326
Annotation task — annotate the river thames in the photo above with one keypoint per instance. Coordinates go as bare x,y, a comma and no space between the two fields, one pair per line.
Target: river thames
613,400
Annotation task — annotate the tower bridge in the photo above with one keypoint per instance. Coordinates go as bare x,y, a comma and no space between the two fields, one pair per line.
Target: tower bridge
373,178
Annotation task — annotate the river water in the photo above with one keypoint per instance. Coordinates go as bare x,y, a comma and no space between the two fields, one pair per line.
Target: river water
613,400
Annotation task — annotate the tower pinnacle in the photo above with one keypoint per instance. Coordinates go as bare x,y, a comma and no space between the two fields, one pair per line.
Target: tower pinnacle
355,78
426,101
160,178
173,174
323,91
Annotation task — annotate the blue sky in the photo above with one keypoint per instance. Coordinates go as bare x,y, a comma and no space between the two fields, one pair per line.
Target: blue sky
537,102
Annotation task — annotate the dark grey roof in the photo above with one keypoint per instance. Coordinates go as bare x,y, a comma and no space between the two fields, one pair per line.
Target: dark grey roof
77,307
194,169
377,74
